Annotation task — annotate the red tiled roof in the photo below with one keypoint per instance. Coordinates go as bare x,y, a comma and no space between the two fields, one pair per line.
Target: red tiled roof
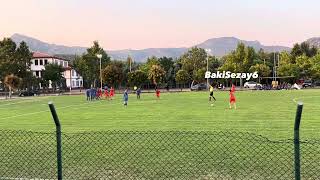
41,55
44,55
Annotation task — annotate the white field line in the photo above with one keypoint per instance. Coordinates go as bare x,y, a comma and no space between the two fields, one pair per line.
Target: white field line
25,101
11,178
27,114
294,100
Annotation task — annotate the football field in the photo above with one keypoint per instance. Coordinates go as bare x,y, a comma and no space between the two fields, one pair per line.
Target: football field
179,136
267,113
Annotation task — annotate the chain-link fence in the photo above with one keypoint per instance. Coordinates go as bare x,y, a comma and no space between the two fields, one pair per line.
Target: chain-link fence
154,155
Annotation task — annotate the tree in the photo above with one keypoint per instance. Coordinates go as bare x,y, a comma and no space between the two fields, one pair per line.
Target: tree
250,57
199,75
315,66
53,73
137,78
7,57
113,74
214,63
194,59
12,82
168,65
228,63
303,62
14,60
156,74
303,48
23,62
182,77
286,66
150,62
239,60
296,51
88,65
262,69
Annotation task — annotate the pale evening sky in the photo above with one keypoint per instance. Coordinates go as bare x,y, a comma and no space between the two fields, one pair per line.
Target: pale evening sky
137,24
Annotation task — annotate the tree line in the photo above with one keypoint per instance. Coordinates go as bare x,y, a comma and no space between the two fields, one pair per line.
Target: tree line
302,62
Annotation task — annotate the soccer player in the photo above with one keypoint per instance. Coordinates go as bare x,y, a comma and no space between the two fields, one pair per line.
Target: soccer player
125,98
99,93
106,93
92,94
232,100
88,94
158,93
138,92
111,92
211,93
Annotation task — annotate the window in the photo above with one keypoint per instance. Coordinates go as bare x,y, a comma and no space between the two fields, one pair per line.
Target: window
41,62
45,61
65,64
81,83
73,84
77,83
72,72
37,72
61,63
36,62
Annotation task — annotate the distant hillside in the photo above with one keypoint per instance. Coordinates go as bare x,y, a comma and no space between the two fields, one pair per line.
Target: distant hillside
224,45
219,47
314,41
37,45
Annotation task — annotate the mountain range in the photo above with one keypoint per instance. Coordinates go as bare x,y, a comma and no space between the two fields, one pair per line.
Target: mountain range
219,47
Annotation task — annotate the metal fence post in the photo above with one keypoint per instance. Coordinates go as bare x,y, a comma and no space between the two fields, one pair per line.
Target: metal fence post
58,135
297,142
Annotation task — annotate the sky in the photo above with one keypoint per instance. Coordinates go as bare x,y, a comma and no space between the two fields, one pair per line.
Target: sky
138,24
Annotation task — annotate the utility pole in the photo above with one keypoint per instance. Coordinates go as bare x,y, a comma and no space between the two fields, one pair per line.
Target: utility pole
208,53
100,56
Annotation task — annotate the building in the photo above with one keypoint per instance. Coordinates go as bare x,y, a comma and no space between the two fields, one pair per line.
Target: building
39,60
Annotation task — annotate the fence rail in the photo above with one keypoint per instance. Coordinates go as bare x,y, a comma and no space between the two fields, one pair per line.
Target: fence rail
154,155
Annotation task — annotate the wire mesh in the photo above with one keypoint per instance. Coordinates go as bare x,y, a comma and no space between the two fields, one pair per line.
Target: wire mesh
154,155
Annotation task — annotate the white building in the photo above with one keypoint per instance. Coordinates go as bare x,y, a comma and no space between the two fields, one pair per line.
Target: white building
39,60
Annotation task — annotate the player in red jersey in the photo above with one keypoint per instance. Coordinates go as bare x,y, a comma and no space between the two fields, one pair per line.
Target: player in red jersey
158,93
106,93
98,93
232,99
111,93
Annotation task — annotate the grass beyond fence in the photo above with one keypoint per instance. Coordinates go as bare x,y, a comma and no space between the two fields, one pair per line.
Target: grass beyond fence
154,155
267,113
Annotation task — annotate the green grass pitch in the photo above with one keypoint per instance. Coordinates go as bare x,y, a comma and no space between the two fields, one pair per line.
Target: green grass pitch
180,136
267,113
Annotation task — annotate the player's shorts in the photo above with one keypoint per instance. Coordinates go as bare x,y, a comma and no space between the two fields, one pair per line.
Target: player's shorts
211,93
232,100
158,95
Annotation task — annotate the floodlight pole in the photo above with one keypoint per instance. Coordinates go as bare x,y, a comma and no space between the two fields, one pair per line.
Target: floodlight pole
100,56
100,75
208,52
